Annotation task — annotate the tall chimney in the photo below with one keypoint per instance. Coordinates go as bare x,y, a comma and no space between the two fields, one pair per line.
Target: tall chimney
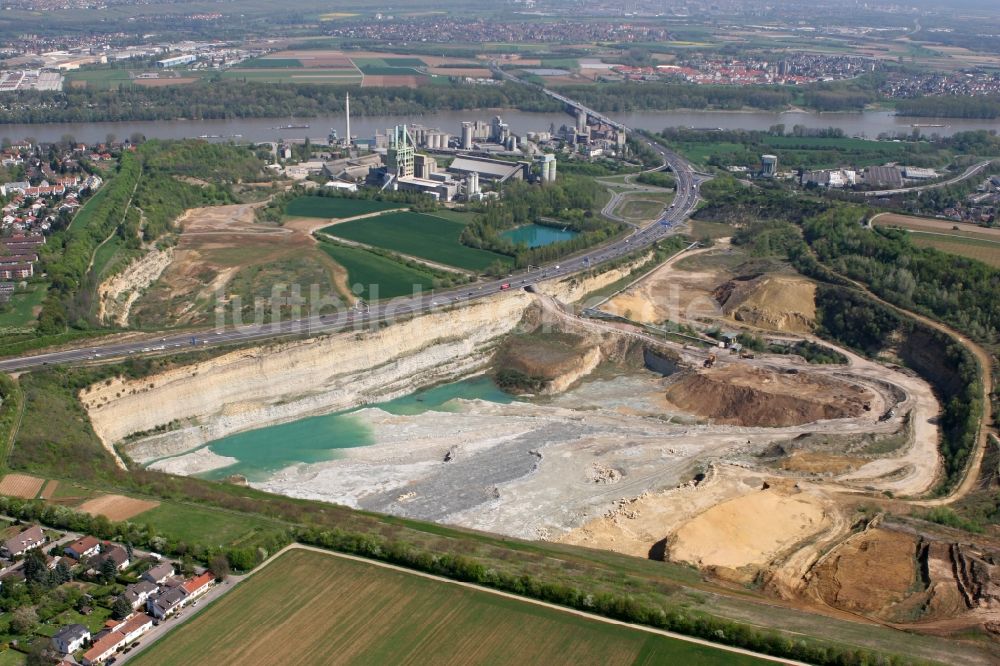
347,107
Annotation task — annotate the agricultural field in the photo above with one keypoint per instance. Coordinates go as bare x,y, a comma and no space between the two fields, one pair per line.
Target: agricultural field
964,240
336,207
416,234
102,79
391,278
985,251
312,607
332,76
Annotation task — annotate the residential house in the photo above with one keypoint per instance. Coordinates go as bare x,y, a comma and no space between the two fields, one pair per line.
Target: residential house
165,603
86,546
136,626
197,586
137,593
159,573
116,554
70,638
104,648
33,537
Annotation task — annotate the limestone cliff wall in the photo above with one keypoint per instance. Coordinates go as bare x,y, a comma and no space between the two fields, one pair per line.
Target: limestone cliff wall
252,388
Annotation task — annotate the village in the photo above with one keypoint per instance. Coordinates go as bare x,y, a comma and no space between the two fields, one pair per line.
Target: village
114,594
48,184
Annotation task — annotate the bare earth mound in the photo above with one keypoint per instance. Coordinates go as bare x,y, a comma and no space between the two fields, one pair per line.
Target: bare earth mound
117,507
775,302
748,531
748,396
845,578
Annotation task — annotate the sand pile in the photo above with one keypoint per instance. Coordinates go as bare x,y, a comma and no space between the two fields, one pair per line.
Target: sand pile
776,302
748,531
748,396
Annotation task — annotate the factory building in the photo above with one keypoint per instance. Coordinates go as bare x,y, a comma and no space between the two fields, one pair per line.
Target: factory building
883,176
547,163
399,157
496,171
177,61
768,166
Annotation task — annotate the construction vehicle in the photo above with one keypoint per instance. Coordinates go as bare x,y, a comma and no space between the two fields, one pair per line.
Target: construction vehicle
710,361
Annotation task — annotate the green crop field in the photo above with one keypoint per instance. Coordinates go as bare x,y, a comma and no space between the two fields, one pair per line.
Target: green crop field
270,63
419,235
985,251
99,78
336,207
367,268
315,608
329,76
388,66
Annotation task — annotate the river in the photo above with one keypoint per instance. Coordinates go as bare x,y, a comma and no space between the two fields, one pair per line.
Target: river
868,124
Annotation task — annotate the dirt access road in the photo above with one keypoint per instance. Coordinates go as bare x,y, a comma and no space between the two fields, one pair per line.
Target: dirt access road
986,428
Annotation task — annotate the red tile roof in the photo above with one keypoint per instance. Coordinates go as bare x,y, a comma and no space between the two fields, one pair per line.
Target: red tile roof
198,582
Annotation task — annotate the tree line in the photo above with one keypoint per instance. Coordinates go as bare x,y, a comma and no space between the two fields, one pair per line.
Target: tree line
232,99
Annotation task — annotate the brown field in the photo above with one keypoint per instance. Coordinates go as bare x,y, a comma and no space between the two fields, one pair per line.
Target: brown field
116,507
930,224
160,83
21,485
223,250
308,607
377,81
50,489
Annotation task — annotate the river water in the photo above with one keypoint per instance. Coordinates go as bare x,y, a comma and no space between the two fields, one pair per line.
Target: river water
868,124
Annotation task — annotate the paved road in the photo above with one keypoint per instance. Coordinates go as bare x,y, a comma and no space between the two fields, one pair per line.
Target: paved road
968,173
672,218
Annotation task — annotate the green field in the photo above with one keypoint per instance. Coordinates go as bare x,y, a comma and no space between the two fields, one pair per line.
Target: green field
419,235
271,63
99,78
337,207
315,608
192,524
367,268
388,66
19,311
985,251
330,76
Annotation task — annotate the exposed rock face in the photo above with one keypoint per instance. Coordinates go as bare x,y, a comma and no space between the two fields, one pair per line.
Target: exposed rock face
281,382
119,292
251,388
754,397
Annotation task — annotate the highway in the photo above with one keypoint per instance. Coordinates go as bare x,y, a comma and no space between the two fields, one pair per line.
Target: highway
685,200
